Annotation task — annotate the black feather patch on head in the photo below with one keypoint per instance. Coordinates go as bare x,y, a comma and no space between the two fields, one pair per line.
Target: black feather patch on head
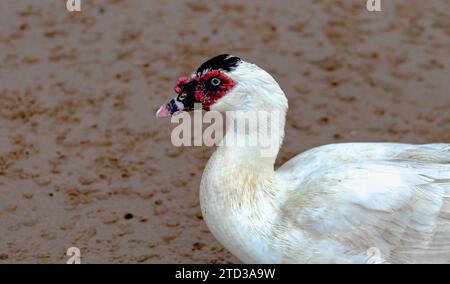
223,62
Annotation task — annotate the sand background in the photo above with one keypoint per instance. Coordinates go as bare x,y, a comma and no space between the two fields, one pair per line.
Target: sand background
84,162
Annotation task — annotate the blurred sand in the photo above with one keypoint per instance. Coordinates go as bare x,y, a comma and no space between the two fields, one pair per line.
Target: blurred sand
83,161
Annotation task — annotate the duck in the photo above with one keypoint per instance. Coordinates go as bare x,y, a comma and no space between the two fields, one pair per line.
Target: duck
336,203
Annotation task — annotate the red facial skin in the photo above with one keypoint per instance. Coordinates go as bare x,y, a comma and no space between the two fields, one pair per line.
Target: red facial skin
178,88
205,92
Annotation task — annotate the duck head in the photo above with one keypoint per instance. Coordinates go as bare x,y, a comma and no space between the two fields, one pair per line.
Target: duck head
226,83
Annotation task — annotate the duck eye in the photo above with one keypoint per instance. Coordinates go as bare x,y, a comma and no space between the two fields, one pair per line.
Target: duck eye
215,82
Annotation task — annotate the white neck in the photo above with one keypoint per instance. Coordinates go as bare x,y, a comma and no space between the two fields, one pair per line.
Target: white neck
239,193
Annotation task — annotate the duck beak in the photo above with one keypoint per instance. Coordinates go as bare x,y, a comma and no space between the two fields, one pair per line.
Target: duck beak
185,100
163,112
177,105
169,109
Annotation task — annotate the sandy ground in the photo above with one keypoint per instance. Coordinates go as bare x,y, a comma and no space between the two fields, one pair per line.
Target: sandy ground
84,162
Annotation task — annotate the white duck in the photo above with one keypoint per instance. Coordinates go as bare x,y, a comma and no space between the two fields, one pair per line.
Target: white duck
339,203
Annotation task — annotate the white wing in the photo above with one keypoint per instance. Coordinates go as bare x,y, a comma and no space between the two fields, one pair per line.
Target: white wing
353,197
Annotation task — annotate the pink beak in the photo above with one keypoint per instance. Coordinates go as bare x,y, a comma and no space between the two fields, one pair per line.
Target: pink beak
162,112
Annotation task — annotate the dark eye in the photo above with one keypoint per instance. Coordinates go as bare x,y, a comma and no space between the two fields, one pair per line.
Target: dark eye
215,82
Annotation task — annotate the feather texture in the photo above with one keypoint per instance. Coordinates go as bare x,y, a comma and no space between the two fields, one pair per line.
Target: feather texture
394,197
337,203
